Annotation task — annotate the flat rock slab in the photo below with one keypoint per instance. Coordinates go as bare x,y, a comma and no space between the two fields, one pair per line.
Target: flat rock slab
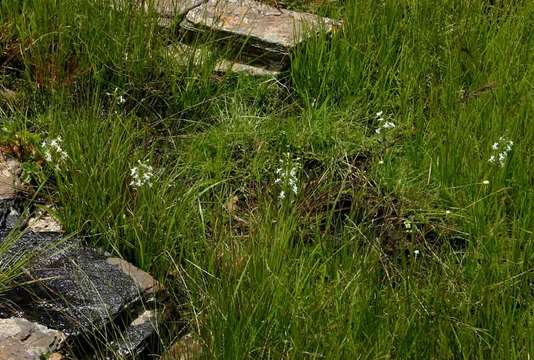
261,32
21,339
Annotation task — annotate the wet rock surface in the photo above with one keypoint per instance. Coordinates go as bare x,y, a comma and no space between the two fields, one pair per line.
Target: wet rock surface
71,288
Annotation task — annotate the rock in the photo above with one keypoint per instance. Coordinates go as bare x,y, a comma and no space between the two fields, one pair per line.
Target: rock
67,287
225,66
9,185
261,33
43,222
185,54
21,339
167,10
55,356
136,336
71,287
78,293
145,282
9,182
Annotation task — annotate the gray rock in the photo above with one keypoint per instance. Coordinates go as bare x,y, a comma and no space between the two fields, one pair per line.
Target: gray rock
228,66
21,339
185,54
262,33
136,336
72,289
171,8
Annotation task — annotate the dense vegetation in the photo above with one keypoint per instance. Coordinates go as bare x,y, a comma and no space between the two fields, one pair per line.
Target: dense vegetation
401,146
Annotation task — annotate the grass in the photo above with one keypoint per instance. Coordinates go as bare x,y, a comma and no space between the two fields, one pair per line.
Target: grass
403,244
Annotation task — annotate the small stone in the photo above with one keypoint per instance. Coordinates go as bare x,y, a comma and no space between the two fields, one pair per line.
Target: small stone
225,66
9,181
44,222
55,356
21,339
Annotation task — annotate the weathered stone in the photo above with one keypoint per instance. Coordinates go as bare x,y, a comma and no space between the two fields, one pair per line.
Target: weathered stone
55,356
145,282
262,33
43,222
225,66
168,10
21,339
173,8
136,336
9,182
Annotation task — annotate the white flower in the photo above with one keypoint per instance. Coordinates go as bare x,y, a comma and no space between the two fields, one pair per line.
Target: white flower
287,176
121,99
416,252
141,174
53,152
447,212
381,162
386,125
383,123
500,151
485,182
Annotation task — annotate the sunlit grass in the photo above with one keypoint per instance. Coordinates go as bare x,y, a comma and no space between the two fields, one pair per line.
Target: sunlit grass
407,243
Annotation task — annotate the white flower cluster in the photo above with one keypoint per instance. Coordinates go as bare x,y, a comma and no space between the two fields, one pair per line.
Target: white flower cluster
53,152
119,97
287,176
500,150
141,174
384,125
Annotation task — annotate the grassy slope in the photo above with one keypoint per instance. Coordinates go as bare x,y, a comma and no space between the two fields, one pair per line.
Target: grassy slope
301,278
